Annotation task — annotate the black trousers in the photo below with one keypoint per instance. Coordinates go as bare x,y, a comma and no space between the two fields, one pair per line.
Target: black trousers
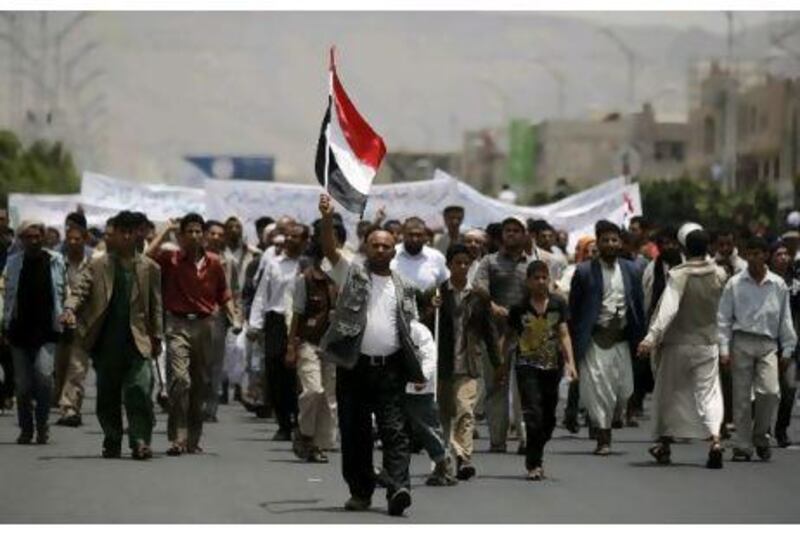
788,391
727,392
643,382
361,392
6,361
281,382
538,394
572,408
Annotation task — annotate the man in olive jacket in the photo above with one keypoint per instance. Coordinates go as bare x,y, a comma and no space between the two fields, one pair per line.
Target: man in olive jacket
116,309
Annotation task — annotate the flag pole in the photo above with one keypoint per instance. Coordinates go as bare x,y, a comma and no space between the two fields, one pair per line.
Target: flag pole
328,126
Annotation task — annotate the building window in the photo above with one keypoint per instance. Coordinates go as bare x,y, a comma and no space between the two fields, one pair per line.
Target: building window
677,151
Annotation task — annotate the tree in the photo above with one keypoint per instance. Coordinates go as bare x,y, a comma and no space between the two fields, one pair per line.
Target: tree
673,202
42,167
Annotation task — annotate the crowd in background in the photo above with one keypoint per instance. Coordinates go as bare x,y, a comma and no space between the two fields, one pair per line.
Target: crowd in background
493,319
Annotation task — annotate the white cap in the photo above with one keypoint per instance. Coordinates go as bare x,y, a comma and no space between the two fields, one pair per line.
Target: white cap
685,230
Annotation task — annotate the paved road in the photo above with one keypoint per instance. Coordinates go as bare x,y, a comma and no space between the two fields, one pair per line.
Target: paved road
244,477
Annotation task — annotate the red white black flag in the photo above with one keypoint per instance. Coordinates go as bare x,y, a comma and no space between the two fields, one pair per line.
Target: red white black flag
349,151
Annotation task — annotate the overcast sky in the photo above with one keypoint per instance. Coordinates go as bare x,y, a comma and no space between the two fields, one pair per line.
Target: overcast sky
714,21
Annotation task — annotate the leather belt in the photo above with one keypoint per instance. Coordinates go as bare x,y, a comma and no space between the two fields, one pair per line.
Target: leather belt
376,360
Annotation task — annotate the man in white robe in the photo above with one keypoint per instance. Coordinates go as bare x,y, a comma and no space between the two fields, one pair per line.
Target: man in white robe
687,399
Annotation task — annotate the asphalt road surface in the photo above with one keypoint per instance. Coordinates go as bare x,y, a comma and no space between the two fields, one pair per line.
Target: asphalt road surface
244,477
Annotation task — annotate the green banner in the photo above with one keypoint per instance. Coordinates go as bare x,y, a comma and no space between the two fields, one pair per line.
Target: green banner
521,153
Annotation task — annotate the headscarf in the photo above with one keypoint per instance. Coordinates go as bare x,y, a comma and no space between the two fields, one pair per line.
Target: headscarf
582,248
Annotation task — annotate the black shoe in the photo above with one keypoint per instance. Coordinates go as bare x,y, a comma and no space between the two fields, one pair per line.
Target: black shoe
210,418
465,470
522,449
357,504
714,458
25,437
764,453
282,435
112,452
70,421
399,502
476,434
262,411
631,422
571,425
783,440
661,454
43,435
616,423
741,456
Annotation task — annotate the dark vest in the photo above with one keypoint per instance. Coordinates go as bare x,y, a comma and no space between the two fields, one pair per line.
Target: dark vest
342,341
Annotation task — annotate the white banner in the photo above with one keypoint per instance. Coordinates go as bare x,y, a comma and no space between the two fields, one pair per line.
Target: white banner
250,200
426,199
103,196
52,209
160,202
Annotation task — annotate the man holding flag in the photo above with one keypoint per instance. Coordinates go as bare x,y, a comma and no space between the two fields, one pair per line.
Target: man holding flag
369,337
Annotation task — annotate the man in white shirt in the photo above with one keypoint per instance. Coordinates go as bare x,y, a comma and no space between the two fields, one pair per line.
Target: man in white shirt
423,266
268,315
755,322
369,339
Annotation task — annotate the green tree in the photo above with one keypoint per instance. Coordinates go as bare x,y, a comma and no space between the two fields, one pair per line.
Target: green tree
42,167
673,202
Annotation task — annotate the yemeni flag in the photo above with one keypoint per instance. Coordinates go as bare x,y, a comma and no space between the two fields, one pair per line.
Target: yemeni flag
349,151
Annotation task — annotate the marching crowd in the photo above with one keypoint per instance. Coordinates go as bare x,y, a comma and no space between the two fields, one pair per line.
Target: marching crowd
402,336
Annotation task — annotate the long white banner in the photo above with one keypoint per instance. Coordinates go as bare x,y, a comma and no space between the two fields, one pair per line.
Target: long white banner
101,196
160,202
52,209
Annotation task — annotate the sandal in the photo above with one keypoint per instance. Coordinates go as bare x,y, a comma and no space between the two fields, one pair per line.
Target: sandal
142,452
176,450
661,454
536,474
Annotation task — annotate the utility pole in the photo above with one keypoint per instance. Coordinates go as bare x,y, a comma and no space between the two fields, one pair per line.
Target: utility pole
729,110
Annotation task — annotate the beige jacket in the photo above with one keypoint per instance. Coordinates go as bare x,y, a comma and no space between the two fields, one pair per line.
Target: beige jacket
91,295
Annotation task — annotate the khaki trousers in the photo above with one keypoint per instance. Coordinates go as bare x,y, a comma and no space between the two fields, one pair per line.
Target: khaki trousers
215,363
754,369
189,345
458,397
317,402
72,389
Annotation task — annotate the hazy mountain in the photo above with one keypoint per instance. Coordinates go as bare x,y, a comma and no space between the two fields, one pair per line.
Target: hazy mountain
256,83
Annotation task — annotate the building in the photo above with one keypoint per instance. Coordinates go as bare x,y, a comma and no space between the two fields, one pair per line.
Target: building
588,152
764,132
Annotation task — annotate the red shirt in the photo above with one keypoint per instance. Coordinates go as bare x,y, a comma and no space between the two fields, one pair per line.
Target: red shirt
189,287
